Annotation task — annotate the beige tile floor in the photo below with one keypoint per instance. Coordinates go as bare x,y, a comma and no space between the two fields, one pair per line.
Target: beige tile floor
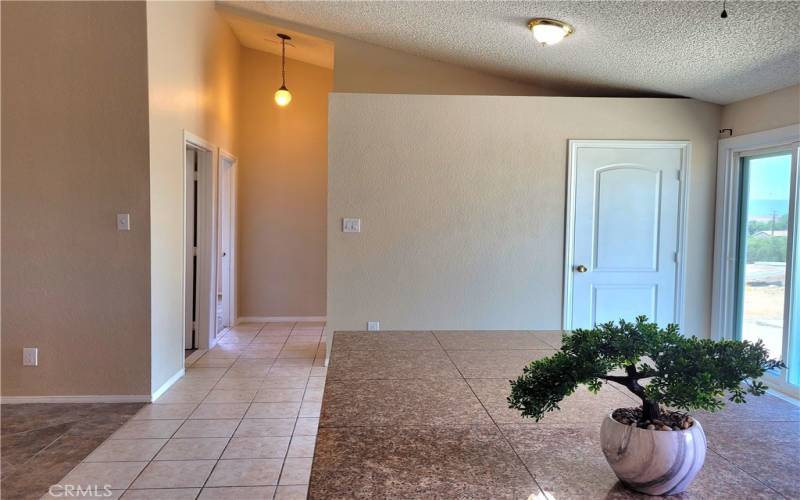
241,424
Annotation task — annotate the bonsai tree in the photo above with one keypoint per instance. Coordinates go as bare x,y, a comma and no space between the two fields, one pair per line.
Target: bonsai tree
684,373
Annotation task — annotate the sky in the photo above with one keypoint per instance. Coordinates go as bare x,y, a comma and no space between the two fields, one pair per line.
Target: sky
770,177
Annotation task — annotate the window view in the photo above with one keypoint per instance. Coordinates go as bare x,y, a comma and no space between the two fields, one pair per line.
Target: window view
764,242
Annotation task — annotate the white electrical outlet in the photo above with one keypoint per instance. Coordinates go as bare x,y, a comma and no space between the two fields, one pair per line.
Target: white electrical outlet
351,225
373,326
30,356
123,222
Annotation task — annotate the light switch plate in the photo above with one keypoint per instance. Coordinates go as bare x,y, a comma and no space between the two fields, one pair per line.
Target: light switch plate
30,356
373,326
123,222
351,225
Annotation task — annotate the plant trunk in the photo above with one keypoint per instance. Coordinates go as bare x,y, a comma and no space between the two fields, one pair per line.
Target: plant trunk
650,410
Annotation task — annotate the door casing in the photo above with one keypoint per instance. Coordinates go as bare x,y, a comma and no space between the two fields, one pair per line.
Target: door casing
680,278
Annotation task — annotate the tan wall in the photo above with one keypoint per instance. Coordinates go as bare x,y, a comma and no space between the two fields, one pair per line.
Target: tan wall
765,112
75,153
193,60
282,188
462,202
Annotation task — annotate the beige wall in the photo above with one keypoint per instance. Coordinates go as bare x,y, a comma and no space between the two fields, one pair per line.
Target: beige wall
193,60
75,153
282,188
765,112
462,202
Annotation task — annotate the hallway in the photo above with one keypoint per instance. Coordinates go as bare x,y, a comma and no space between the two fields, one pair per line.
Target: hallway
241,423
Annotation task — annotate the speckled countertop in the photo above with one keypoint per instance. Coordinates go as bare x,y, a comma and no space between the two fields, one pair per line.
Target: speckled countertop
424,415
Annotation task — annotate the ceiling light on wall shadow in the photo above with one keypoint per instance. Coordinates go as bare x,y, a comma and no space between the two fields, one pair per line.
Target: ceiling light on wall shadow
549,31
282,96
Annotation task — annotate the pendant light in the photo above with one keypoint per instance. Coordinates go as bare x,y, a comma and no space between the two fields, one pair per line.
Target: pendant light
282,96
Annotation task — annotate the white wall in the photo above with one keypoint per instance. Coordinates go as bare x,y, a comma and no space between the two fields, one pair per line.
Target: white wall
462,201
764,112
193,62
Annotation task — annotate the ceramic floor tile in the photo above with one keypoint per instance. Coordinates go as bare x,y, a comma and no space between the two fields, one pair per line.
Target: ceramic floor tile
295,471
568,462
231,396
273,410
237,493
162,494
219,411
289,371
165,411
505,364
214,362
302,446
298,492
319,372
418,462
394,364
126,450
313,394
316,383
257,447
279,395
204,373
765,408
174,474
246,472
181,396
239,384
114,475
412,402
260,427
207,428
310,409
192,449
385,340
147,429
279,382
489,340
306,427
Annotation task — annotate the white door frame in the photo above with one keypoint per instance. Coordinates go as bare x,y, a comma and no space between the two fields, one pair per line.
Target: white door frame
206,224
726,237
230,295
683,204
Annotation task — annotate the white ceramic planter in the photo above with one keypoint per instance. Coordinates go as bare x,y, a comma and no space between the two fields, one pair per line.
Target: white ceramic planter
653,462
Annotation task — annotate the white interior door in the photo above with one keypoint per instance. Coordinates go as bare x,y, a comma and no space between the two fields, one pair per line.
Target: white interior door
190,337
225,242
623,251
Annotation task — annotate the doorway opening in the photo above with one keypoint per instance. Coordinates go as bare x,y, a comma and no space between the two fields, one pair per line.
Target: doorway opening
200,244
225,307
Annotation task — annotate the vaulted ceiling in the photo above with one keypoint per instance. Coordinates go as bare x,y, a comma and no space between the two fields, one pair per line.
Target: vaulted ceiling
619,48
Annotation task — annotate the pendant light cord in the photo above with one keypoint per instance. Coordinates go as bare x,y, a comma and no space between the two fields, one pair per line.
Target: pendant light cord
283,62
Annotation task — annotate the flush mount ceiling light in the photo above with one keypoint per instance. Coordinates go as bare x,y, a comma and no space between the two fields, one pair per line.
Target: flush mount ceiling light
282,96
549,31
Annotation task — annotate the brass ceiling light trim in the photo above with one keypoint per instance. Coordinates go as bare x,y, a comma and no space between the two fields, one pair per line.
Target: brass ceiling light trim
549,31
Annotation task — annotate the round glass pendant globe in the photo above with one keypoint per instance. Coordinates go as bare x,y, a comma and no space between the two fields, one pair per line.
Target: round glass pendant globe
283,97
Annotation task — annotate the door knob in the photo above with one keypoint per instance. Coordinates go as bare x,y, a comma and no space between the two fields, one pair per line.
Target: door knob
581,268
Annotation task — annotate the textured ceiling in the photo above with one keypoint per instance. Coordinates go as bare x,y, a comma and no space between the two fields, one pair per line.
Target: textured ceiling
261,36
619,48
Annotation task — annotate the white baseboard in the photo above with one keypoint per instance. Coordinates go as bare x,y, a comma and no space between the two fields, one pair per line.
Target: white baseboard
145,398
278,319
161,390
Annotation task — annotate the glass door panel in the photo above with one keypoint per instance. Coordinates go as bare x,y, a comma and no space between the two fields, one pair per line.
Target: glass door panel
763,246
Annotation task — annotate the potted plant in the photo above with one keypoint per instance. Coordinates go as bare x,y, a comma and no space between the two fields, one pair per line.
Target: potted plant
654,448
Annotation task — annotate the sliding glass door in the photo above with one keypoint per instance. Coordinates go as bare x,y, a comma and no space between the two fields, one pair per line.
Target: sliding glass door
767,291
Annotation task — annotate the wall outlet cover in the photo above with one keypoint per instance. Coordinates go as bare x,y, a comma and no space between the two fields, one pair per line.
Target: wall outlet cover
30,356
123,222
373,326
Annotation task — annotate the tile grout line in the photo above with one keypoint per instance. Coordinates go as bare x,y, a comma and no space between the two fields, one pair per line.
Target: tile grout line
497,427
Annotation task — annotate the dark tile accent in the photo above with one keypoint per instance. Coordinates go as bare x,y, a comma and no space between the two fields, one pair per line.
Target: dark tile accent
43,442
384,340
482,341
417,462
504,363
398,365
392,402
567,462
